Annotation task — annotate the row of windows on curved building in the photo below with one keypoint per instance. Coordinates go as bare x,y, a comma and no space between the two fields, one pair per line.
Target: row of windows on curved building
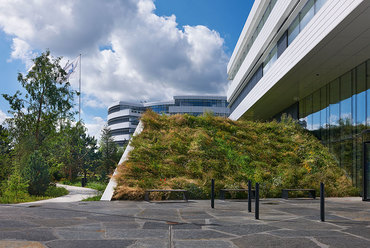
123,117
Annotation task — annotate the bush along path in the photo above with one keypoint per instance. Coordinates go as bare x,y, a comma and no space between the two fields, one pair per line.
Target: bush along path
75,194
186,152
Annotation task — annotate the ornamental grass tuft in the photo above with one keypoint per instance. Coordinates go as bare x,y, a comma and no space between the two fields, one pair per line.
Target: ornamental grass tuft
186,152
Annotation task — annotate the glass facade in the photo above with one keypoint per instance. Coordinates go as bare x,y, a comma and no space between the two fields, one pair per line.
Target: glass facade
258,29
201,102
134,120
161,109
337,114
122,131
302,19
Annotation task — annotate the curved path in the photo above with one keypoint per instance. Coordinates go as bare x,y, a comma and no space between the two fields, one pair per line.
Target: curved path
75,194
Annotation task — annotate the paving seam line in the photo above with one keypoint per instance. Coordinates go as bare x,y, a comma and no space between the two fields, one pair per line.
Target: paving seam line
170,245
230,234
354,235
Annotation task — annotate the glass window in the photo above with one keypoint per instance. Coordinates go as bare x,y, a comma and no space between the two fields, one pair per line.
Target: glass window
319,4
368,93
334,133
309,112
346,100
270,60
306,14
293,30
316,114
282,44
323,114
360,97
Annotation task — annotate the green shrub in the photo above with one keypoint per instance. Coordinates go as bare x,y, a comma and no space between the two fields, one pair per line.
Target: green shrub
36,172
53,191
15,188
93,198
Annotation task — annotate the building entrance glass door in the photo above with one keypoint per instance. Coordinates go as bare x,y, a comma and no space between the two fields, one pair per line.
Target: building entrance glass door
366,171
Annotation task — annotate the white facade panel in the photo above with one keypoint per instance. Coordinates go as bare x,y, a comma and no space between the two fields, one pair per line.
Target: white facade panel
322,24
122,137
121,125
249,26
264,39
125,112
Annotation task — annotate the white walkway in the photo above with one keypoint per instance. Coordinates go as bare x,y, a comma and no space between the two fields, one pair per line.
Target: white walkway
75,194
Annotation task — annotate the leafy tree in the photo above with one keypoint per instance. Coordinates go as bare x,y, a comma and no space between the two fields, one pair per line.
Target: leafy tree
6,153
36,172
109,152
15,187
84,149
71,151
48,99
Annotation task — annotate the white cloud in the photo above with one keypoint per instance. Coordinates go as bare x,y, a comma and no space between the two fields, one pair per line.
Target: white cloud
22,50
3,116
94,128
151,57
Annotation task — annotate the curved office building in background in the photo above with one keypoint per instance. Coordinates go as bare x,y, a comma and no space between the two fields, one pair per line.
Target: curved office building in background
123,117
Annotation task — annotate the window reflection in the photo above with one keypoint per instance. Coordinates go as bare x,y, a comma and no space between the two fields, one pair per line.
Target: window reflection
337,114
293,30
306,14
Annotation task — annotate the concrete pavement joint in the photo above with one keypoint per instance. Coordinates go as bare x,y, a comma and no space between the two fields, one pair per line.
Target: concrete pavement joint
318,243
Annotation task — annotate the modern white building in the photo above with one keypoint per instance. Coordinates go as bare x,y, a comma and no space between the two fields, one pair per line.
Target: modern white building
309,59
123,117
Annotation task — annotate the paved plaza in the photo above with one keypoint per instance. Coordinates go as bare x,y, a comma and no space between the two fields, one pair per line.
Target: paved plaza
283,223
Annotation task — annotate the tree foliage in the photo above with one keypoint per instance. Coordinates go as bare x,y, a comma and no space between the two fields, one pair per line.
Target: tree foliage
41,140
15,188
47,100
36,172
109,152
6,154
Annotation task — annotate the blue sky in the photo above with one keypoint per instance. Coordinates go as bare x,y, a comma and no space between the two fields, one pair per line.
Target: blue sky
132,50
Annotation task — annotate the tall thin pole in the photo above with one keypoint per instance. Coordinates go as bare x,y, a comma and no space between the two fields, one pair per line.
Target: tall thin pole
257,202
322,202
249,196
79,91
213,193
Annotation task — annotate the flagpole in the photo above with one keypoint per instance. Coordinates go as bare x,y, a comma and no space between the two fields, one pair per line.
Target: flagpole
79,90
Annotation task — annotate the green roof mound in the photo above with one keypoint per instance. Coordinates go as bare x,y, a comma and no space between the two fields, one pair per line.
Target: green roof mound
186,152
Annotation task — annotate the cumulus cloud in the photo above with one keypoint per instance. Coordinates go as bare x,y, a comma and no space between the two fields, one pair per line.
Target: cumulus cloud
3,116
145,56
95,126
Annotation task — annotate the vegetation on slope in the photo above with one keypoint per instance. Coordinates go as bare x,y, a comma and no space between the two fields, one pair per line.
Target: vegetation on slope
186,152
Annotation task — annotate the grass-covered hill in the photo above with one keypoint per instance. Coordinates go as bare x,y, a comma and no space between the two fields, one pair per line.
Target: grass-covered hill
186,152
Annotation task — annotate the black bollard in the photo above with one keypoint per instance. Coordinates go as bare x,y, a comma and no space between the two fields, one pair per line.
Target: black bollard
322,202
213,193
257,201
249,196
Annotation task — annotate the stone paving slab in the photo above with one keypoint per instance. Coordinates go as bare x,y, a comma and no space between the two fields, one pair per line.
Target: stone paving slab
344,242
203,244
90,243
283,223
266,240
21,244
241,230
